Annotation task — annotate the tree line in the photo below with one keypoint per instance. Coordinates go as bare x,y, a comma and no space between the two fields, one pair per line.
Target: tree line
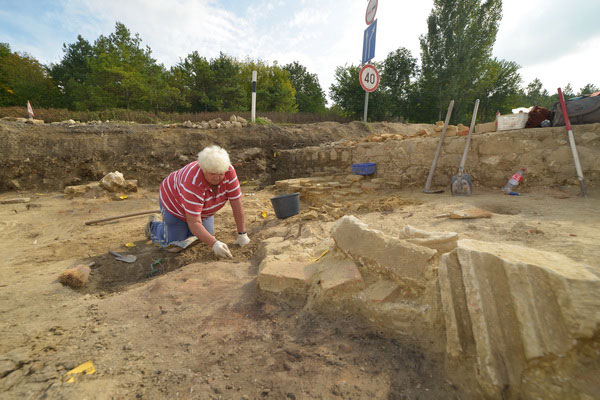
117,71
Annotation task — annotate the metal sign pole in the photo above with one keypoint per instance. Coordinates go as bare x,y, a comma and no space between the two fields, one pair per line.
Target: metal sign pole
253,112
366,106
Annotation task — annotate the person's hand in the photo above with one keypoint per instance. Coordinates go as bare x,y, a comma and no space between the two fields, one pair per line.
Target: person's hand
221,250
242,239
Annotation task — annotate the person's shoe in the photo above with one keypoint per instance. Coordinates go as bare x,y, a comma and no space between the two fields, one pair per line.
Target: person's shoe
148,228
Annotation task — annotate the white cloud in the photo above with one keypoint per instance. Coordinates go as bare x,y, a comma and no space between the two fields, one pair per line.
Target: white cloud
553,40
578,68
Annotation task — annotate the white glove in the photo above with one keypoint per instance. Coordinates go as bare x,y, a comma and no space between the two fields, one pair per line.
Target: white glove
242,239
221,250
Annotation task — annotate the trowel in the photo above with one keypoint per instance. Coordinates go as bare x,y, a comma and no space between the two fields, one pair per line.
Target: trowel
128,258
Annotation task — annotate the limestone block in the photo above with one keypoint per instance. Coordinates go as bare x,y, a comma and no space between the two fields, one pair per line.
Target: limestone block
282,273
439,125
396,257
486,127
451,130
381,291
233,118
339,275
355,178
130,185
92,189
333,155
462,130
459,333
366,186
354,190
75,277
113,181
523,304
440,241
345,156
282,185
16,200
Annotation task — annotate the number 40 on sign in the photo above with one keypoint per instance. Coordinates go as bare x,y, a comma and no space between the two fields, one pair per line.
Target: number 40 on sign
369,78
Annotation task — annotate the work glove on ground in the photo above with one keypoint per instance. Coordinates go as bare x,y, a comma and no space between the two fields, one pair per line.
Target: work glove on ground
242,239
221,250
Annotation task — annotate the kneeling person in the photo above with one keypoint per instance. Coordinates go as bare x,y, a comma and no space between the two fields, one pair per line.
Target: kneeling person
189,199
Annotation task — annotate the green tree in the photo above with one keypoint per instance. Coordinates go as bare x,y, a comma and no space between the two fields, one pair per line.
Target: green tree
399,70
454,53
193,78
226,92
346,93
588,89
123,74
72,74
568,91
23,78
274,90
498,89
310,97
536,95
349,96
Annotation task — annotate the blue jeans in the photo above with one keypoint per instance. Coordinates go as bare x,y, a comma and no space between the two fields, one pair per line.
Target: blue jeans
173,231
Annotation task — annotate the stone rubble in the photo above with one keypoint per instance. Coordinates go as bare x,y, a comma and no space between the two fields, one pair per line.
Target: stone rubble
506,312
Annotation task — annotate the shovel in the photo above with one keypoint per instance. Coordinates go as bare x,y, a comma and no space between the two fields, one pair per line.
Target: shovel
129,258
437,152
462,184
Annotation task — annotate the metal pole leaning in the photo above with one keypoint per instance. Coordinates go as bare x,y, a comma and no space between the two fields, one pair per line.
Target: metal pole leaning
121,216
563,106
437,151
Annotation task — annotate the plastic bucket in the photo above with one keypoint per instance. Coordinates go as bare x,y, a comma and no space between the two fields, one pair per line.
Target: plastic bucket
364,169
286,205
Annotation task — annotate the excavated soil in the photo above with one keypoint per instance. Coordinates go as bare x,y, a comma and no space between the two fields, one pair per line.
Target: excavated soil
186,325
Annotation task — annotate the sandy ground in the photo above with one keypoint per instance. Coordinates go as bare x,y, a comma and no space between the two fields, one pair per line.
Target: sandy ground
191,326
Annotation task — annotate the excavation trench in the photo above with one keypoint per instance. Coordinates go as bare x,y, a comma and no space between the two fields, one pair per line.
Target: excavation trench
175,323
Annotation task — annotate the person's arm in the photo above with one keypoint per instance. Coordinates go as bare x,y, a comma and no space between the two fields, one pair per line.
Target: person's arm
195,224
238,214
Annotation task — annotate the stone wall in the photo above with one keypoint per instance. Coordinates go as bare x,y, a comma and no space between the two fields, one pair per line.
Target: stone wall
492,158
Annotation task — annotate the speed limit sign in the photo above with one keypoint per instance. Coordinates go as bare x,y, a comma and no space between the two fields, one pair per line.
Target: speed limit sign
369,78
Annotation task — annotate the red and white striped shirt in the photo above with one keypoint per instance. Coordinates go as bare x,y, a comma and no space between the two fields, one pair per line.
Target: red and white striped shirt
185,191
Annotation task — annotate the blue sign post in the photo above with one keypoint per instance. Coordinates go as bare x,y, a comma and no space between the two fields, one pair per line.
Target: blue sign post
369,77
369,43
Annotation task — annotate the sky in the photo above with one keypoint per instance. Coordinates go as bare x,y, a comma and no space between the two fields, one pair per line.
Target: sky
555,41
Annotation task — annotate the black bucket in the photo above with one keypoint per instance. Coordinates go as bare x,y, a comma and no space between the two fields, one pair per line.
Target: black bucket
286,205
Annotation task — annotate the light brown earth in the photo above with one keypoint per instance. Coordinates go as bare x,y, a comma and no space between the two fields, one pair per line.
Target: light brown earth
199,328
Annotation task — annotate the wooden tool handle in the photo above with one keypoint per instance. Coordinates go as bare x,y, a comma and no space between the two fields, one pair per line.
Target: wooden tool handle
121,216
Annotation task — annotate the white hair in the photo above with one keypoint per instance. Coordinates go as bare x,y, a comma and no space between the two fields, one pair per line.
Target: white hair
214,159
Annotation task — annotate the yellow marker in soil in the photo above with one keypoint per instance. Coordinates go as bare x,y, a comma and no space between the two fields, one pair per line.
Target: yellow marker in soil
86,367
263,214
321,256
123,197
129,244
